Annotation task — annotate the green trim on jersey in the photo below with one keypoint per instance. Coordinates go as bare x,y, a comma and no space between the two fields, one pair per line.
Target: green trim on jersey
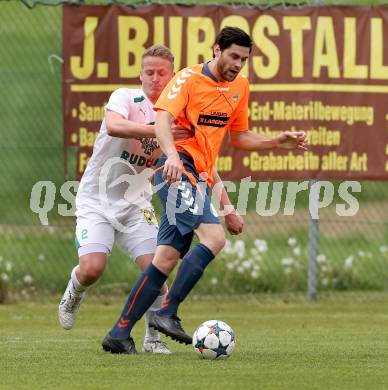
138,99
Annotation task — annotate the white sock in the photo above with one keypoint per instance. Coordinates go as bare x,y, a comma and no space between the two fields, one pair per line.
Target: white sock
151,333
78,287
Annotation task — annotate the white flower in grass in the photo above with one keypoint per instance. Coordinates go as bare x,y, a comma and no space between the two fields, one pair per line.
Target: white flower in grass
41,257
383,248
258,259
246,264
287,261
8,266
321,258
291,241
325,282
361,253
255,255
240,270
349,262
4,277
287,270
261,245
296,251
228,247
255,274
230,265
239,249
27,279
214,281
254,252
239,246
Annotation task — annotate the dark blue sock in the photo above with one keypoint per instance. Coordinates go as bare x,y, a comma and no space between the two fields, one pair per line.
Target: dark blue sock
190,271
141,297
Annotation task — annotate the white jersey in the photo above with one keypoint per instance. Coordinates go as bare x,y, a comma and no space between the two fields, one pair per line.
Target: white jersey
116,177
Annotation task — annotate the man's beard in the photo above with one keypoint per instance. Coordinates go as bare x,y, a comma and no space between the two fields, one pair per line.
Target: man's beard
228,74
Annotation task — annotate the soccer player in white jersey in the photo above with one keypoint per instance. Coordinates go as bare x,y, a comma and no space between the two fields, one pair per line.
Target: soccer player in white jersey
108,209
104,215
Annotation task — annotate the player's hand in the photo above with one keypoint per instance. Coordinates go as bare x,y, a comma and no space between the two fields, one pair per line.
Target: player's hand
172,171
180,132
234,222
292,140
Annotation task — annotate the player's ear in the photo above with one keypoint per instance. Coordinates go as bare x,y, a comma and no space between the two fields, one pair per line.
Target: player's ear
216,50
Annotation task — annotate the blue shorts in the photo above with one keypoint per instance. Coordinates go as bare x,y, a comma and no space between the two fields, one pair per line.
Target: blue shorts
185,207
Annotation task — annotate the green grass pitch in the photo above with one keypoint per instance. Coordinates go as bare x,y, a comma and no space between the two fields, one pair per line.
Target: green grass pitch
294,345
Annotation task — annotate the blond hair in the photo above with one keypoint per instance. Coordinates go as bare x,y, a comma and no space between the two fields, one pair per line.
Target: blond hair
158,51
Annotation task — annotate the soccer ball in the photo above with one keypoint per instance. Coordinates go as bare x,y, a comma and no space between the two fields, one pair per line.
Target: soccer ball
214,340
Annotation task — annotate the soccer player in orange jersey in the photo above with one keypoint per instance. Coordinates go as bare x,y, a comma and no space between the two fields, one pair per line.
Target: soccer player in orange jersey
210,99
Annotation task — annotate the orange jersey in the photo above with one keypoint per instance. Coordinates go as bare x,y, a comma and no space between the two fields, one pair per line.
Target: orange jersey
207,106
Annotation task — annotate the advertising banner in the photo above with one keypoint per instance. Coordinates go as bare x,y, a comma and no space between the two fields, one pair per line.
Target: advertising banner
319,69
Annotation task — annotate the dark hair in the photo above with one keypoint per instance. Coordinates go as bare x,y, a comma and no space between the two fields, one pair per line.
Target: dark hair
229,35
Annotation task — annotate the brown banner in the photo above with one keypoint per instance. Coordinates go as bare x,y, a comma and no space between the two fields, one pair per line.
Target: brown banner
319,69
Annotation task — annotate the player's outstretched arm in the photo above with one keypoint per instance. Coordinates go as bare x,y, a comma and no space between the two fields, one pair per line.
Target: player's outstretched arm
173,166
118,126
248,140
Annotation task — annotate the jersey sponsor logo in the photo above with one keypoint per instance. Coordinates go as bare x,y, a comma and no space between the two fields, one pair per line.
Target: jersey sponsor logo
223,89
140,161
235,97
180,80
213,120
149,145
219,113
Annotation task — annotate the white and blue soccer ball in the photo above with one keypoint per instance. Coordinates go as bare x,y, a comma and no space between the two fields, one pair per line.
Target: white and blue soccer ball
214,340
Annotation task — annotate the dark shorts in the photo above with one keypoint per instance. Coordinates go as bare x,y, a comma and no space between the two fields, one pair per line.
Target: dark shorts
185,207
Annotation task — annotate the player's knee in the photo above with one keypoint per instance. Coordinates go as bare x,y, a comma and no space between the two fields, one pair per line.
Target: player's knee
90,271
165,265
219,244
165,259
215,243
